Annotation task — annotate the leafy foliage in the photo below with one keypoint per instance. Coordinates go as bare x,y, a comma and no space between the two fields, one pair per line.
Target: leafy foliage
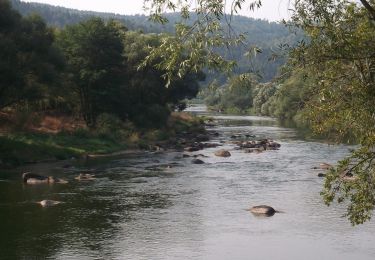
29,63
235,96
93,50
340,56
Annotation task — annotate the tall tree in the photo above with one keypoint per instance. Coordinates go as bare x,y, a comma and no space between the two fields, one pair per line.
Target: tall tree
29,63
145,92
93,50
340,54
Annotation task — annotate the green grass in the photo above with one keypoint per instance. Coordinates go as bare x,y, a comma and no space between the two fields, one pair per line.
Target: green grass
21,148
27,147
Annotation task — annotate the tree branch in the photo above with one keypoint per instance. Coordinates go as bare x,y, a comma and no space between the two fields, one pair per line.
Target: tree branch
369,8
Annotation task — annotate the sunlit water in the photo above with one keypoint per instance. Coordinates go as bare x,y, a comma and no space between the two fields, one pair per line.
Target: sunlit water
140,209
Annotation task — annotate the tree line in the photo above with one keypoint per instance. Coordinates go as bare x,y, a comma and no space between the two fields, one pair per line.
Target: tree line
87,69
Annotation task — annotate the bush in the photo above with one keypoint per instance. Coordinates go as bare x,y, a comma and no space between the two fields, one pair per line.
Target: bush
153,116
81,132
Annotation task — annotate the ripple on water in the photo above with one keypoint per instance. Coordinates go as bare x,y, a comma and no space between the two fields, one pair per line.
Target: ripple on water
137,208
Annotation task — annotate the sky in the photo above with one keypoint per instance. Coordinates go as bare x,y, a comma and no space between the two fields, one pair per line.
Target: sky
272,10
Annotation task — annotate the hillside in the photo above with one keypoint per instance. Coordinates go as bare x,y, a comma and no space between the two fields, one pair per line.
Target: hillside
266,35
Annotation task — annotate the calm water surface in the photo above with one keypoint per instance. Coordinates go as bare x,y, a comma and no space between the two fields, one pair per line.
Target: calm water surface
140,209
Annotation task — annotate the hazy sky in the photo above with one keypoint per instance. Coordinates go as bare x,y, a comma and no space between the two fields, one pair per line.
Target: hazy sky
273,10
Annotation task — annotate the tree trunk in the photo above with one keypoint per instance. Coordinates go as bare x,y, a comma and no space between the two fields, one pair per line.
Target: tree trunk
369,8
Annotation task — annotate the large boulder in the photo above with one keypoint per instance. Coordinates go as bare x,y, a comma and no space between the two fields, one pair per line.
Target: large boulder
222,153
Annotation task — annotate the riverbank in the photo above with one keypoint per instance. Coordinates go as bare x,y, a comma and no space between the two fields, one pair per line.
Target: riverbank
29,147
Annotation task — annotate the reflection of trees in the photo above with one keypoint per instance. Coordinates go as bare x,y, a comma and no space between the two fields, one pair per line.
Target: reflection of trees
86,224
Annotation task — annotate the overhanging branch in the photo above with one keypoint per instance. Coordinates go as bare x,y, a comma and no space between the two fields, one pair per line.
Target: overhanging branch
369,8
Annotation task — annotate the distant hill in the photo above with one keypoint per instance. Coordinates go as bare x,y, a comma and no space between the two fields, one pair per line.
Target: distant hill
60,16
266,35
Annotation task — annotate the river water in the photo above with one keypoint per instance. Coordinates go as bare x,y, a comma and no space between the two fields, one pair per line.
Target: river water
138,208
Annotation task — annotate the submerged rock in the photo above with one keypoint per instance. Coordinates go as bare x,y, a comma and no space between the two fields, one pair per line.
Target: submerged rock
210,145
192,149
197,161
254,150
49,203
85,177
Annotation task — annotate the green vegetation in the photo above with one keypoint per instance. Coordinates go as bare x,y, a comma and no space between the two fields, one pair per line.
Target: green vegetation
340,57
90,71
17,149
111,135
233,97
283,99
29,63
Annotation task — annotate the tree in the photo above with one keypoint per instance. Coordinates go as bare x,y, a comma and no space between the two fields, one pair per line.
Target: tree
340,56
29,63
147,98
93,51
199,40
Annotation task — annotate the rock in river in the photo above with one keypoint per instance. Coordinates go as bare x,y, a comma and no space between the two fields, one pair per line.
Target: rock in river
223,153
49,203
32,178
263,210
197,161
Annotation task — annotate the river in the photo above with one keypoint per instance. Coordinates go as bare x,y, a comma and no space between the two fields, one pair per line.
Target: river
138,208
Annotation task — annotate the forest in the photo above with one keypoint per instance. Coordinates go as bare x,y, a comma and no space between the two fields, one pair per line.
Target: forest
88,70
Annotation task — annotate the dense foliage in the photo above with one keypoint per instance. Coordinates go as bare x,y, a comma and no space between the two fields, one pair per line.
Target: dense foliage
93,51
91,68
29,63
233,97
340,56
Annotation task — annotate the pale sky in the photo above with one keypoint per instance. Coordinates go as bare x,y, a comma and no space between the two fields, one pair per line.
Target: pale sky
273,10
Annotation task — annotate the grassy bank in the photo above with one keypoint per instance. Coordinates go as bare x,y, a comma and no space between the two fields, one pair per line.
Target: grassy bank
18,148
